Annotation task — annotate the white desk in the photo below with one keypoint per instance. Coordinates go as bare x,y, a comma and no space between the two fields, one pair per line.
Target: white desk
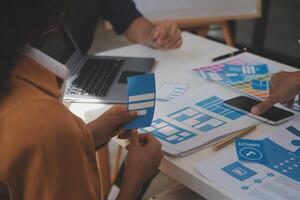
175,66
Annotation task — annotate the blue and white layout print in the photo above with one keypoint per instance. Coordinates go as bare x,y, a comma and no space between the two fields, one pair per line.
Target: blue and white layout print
196,119
279,178
246,69
171,91
141,98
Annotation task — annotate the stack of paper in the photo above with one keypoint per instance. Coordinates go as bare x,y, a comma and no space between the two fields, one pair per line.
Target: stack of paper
171,91
196,120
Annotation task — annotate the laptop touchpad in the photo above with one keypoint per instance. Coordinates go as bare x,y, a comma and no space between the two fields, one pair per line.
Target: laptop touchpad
125,74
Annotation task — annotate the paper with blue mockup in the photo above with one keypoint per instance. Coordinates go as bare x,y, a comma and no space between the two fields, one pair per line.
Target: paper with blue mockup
245,73
214,76
277,179
222,76
251,151
171,91
247,69
260,85
195,120
141,98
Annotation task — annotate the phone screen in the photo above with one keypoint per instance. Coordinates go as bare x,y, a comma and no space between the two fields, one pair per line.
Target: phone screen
244,103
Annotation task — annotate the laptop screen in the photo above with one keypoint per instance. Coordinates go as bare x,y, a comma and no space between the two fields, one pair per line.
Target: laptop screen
57,45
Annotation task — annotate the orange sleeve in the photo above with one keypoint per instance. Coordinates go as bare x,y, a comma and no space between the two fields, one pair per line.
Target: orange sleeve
48,155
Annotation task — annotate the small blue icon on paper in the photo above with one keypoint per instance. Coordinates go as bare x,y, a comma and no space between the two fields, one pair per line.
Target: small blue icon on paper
251,151
296,132
260,85
247,69
245,188
239,171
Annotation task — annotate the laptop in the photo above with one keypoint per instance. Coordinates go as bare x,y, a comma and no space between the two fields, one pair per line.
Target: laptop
93,78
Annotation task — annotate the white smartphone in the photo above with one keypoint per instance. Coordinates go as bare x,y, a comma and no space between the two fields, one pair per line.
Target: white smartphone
274,116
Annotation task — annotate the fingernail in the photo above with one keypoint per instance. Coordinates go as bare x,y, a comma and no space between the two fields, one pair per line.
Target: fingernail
255,110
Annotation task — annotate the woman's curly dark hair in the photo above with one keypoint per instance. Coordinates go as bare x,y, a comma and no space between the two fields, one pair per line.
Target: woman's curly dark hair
20,22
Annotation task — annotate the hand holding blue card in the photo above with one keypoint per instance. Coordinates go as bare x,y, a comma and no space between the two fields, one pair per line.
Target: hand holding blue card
141,98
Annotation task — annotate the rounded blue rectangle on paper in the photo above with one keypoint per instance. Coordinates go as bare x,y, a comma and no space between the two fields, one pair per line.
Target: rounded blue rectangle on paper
260,85
169,132
246,69
294,130
261,69
141,97
251,151
233,69
239,171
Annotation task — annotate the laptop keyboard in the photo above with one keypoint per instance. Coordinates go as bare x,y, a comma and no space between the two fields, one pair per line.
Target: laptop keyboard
96,77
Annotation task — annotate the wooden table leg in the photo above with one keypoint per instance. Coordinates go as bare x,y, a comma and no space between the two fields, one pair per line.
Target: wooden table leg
227,34
104,171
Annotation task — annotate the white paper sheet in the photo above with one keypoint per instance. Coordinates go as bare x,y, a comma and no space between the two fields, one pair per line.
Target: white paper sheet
171,91
199,118
275,180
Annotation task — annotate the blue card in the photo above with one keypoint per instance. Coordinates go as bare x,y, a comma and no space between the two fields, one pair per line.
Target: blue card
233,69
294,130
222,76
247,69
260,85
261,69
141,97
251,151
214,76
235,77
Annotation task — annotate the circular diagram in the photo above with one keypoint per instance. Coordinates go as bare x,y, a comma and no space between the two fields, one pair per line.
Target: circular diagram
250,153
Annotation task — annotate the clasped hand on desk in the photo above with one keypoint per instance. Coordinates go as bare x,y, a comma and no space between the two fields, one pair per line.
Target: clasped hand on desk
165,36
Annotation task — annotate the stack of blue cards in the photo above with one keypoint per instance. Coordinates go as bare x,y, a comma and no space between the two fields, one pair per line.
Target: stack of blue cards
251,151
246,69
141,98
214,76
260,85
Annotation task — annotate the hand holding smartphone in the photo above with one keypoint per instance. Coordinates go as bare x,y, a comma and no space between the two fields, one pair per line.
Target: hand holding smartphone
273,116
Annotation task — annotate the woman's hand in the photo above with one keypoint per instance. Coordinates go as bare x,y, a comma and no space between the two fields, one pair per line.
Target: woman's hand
285,86
143,159
110,123
144,156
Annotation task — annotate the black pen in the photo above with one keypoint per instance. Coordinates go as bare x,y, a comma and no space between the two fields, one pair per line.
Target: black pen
229,55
